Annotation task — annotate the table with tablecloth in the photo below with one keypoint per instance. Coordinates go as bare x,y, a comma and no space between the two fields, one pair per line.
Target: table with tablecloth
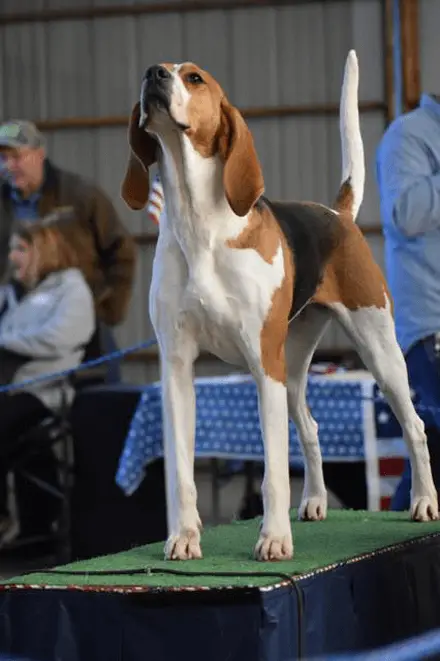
355,424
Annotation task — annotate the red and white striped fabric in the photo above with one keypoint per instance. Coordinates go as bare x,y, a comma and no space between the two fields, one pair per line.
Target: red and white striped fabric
391,455
156,201
391,460
386,454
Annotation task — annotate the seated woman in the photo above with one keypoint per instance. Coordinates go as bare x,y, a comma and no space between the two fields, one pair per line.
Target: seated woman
47,316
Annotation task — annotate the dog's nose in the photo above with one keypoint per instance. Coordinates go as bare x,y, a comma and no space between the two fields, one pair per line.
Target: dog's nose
157,74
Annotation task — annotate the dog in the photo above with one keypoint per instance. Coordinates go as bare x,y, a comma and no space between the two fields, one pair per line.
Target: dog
256,283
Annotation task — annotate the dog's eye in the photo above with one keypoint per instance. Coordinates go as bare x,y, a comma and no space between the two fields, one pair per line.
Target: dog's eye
194,79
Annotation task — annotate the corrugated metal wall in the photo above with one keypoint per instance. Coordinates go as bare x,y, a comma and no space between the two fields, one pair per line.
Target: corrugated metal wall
262,57
429,48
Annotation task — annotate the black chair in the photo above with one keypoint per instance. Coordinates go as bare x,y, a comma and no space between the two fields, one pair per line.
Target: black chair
53,433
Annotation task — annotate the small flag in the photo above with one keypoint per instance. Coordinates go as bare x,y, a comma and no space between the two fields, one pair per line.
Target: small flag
156,201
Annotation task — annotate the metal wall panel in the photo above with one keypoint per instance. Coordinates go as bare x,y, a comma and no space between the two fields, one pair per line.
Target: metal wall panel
429,49
262,57
25,70
10,6
301,158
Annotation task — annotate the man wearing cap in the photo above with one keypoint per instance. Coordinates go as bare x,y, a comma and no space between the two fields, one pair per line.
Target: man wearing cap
31,187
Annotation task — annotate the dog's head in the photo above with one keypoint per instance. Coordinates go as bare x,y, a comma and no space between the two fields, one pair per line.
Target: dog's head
184,98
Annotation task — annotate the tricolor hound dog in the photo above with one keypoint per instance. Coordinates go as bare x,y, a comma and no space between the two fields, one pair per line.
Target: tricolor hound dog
256,283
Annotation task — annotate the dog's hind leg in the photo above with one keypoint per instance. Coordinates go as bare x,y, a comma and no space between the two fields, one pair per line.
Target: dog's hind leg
305,333
372,331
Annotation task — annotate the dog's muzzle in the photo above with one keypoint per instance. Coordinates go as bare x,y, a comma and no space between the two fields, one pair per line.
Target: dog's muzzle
156,90
156,93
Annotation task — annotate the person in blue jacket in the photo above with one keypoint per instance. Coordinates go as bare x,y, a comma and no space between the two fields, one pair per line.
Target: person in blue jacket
408,177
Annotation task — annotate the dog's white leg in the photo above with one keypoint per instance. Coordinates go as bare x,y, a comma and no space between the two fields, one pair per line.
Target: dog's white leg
275,541
178,351
372,330
304,335
178,399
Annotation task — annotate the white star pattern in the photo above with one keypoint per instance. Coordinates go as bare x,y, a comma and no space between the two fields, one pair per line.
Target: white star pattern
227,425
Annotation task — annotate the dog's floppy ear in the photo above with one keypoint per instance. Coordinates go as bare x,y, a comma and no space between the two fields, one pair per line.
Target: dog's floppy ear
242,176
136,183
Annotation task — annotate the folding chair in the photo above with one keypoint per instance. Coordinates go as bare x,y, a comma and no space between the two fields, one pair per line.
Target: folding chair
53,431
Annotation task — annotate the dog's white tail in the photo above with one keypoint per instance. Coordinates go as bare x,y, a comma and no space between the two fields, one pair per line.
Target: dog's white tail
351,191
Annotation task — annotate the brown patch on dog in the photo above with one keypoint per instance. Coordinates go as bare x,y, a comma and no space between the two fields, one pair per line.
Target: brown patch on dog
217,127
274,331
345,199
261,234
264,235
143,149
352,277
204,114
242,175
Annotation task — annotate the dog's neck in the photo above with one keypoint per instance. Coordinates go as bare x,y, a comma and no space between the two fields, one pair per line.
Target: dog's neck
197,211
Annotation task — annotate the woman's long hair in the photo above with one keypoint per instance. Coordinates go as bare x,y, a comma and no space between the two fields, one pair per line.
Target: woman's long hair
52,250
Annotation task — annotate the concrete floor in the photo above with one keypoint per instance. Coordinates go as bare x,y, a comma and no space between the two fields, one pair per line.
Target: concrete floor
231,494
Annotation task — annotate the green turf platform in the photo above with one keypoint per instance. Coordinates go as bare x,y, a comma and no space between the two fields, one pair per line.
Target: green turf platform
345,535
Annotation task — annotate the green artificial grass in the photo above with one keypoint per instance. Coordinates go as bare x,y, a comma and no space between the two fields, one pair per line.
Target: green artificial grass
228,548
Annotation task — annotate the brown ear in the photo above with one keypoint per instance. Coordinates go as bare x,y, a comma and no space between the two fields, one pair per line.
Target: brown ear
242,176
136,183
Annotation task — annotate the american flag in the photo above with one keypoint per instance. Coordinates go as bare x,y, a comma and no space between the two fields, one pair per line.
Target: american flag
156,201
390,449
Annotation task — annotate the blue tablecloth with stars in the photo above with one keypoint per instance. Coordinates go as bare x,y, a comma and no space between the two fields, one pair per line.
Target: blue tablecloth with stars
228,426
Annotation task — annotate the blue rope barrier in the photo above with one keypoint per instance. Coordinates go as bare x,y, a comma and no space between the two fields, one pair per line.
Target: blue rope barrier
55,376
120,353
424,646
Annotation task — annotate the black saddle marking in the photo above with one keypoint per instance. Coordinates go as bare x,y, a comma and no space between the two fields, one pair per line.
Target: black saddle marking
312,233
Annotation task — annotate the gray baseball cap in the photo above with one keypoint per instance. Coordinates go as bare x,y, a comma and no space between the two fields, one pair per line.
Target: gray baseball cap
18,133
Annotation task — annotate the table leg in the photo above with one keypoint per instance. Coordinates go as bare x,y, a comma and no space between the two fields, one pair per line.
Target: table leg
215,490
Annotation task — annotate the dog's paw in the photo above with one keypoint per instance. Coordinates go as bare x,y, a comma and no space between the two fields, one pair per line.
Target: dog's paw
274,547
424,508
185,546
313,508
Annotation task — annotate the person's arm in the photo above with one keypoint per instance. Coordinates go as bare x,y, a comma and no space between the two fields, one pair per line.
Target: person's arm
70,327
410,192
118,256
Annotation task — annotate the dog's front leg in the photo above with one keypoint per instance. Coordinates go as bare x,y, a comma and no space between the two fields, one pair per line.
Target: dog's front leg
275,541
178,351
178,400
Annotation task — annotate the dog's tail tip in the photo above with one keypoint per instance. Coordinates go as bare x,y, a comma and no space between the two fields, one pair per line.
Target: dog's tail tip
352,58
351,73
353,168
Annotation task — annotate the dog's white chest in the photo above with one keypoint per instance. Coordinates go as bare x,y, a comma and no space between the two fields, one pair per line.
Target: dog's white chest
207,296
227,297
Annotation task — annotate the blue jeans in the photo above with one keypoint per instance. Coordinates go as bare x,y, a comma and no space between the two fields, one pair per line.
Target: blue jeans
423,362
